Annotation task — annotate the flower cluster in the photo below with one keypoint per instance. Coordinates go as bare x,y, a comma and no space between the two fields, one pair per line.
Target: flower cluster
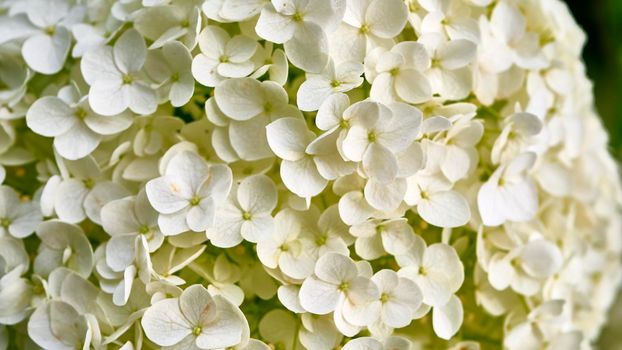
301,174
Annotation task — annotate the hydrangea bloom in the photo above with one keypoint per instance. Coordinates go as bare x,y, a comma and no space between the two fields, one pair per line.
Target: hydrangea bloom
301,174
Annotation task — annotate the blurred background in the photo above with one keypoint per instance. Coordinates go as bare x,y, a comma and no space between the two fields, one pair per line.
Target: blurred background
602,21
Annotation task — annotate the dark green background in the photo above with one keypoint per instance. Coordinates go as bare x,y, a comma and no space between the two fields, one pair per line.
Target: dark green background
602,21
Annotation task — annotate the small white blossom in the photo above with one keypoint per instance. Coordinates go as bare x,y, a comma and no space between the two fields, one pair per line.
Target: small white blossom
116,77
187,193
195,319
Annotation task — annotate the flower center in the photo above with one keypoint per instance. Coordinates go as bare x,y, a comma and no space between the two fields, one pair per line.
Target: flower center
384,297
127,79
320,240
364,29
284,247
143,229
194,201
80,113
344,124
422,271
501,182
246,216
50,30
297,17
4,222
175,77
394,71
371,136
196,331
223,59
335,83
343,286
88,183
267,107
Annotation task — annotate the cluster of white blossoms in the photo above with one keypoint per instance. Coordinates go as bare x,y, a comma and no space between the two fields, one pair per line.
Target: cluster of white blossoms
302,174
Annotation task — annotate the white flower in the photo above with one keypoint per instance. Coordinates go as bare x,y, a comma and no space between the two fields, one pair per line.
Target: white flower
187,194
170,68
516,137
239,108
197,320
509,194
447,319
525,266
400,298
436,203
514,43
76,129
287,247
333,79
247,214
436,269
116,78
165,24
57,325
448,71
367,25
125,220
375,238
290,139
222,56
337,285
397,75
63,244
15,290
301,26
47,49
274,63
377,134
18,219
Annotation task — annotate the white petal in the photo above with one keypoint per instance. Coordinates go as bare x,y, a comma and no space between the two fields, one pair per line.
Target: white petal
197,306
164,323
226,330
50,116
385,197
46,54
541,258
302,177
69,201
257,194
312,93
247,142
240,99
130,51
380,163
412,86
142,98
500,271
108,97
274,27
308,48
447,319
288,138
77,143
317,296
507,22
164,196
445,209
457,54
386,19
